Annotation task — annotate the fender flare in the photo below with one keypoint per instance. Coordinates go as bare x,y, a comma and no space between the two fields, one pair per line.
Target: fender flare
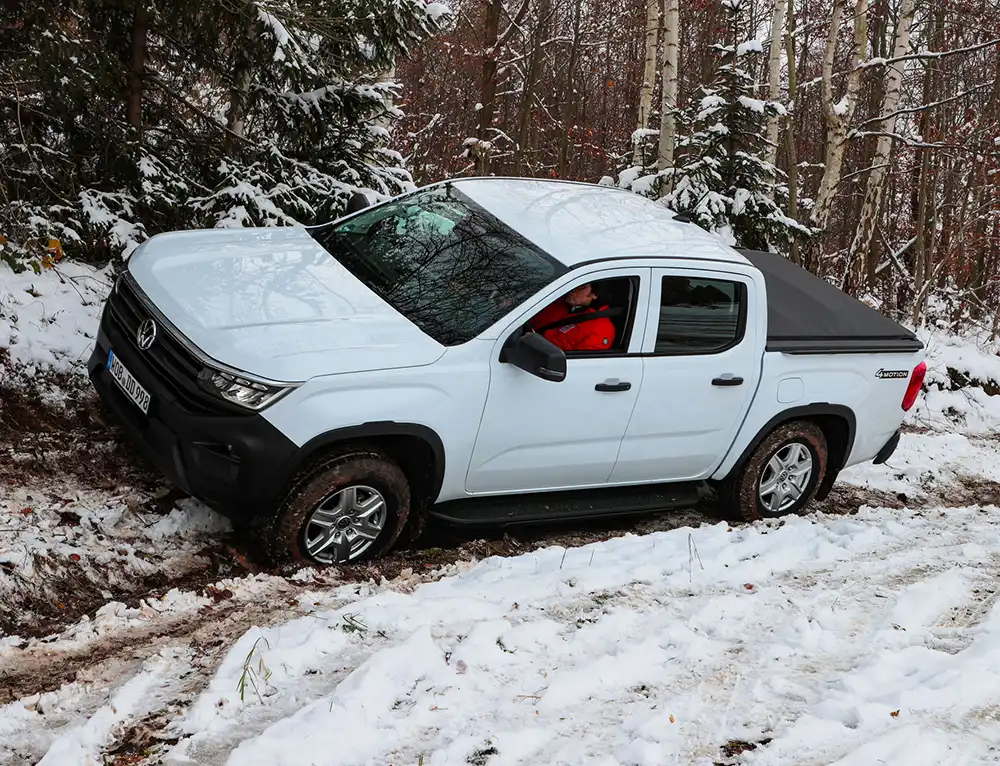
802,413
376,429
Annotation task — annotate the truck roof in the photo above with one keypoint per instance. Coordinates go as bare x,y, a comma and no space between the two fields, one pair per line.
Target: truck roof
577,222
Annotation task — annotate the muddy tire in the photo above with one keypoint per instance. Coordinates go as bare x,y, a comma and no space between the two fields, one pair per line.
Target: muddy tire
780,477
346,508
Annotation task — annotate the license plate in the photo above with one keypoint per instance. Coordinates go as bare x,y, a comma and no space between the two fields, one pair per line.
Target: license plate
126,380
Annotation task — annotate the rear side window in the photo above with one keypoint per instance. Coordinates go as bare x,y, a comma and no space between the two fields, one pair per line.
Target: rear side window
699,316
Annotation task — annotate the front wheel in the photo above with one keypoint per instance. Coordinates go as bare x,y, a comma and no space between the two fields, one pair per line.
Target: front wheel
781,475
349,507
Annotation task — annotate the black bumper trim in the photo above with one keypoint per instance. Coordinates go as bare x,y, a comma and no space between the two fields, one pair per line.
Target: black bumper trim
237,464
886,452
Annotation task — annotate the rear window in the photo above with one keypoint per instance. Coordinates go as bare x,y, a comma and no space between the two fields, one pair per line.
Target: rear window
441,260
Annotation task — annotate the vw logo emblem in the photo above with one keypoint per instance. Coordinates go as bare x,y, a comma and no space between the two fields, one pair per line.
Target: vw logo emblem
145,336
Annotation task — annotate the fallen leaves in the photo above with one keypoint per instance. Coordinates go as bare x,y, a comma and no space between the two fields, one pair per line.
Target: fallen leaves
218,594
894,714
68,519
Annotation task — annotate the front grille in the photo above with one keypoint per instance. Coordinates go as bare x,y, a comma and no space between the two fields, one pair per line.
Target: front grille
175,366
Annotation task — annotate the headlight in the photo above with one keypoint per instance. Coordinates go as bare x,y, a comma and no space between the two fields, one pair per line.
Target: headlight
252,394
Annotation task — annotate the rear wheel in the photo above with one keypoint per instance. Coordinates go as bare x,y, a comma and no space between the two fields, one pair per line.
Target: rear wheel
347,508
781,475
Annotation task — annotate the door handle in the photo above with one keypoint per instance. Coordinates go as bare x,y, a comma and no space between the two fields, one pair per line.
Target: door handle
613,385
727,380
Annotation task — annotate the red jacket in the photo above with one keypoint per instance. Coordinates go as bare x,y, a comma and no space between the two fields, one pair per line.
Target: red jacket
593,335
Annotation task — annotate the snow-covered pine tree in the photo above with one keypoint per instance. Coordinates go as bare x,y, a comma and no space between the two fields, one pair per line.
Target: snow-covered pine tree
721,178
121,119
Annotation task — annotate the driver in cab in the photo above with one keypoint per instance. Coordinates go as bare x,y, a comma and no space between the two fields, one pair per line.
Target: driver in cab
560,322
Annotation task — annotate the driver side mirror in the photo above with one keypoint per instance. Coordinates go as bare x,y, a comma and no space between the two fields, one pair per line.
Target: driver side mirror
535,355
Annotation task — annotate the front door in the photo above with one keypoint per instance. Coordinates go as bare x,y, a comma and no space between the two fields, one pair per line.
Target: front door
701,368
540,435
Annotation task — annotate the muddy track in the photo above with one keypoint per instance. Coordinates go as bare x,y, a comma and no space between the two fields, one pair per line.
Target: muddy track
41,668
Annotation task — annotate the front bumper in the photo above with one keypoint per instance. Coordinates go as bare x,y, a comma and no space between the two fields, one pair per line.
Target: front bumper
236,463
887,449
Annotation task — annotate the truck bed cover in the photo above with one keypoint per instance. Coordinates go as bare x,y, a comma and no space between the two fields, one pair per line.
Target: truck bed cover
808,315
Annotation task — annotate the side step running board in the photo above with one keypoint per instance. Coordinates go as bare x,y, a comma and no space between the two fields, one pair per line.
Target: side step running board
567,505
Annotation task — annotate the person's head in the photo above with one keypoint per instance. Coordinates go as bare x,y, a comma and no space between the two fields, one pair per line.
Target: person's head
580,296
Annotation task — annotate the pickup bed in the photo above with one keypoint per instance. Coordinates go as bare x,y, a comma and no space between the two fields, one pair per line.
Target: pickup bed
330,387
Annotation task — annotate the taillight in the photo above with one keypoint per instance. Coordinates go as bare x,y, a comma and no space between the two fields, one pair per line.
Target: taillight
916,382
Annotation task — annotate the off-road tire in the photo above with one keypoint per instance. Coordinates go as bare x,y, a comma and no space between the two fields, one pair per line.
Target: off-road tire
279,537
738,495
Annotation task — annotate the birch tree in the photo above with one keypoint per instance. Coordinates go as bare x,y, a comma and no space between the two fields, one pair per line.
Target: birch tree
648,81
668,104
774,78
840,113
860,253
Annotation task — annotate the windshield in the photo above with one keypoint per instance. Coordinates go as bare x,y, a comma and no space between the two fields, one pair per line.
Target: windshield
441,260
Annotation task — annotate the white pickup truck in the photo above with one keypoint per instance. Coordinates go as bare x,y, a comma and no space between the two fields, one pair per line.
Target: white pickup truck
330,387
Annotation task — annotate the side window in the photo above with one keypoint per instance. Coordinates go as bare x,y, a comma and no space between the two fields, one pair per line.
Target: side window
699,316
595,317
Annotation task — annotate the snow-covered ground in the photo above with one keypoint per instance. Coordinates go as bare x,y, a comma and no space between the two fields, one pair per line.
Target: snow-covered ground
48,321
866,638
872,638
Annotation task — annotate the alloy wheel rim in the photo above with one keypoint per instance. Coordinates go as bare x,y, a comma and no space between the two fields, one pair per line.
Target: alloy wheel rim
785,477
345,524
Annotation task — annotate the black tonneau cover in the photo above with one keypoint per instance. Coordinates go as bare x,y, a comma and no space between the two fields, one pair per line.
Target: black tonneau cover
808,315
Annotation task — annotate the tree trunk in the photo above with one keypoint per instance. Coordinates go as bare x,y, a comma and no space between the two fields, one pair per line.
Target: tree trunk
791,158
137,64
488,86
648,79
531,76
569,98
774,78
668,104
242,75
861,250
838,116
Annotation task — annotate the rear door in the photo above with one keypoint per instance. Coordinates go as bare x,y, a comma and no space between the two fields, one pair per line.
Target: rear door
701,365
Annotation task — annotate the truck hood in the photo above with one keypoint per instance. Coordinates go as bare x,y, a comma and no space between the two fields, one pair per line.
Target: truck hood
274,303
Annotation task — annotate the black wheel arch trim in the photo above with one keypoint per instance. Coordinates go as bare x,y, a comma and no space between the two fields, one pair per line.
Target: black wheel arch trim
802,413
376,429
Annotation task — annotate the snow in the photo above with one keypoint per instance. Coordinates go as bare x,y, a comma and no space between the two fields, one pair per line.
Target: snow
628,176
437,10
112,213
643,650
873,61
947,407
840,108
81,744
106,540
640,135
644,184
753,104
750,46
711,102
48,321
278,31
